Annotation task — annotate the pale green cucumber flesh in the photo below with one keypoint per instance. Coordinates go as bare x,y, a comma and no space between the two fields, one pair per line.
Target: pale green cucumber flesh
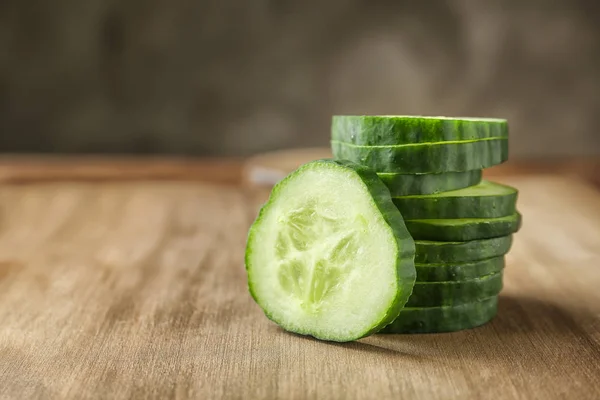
421,184
438,252
384,130
428,157
463,229
459,271
484,200
444,319
330,247
436,294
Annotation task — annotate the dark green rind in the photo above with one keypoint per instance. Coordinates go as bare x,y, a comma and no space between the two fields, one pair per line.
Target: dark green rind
422,184
459,272
444,319
405,269
484,200
433,252
462,230
428,157
437,294
376,130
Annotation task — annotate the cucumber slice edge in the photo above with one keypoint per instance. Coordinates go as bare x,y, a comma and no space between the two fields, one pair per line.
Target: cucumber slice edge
389,218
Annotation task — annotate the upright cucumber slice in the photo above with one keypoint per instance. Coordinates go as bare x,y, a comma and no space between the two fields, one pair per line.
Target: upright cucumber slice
437,294
426,157
421,184
464,229
444,319
484,200
383,130
329,255
459,271
432,252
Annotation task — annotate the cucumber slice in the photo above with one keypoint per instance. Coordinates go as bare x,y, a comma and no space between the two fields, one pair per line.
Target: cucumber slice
420,184
426,157
459,272
432,252
329,255
437,294
383,130
444,319
462,230
484,200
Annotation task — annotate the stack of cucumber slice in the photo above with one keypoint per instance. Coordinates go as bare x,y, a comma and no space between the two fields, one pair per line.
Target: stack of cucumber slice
462,225
398,234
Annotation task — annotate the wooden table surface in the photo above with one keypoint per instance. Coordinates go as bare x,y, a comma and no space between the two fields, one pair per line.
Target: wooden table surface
136,288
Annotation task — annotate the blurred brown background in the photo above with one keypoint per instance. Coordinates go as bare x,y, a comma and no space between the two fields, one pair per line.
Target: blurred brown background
232,77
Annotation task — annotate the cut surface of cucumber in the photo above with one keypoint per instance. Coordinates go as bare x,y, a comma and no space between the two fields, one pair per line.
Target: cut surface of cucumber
463,229
484,200
437,294
329,255
421,184
444,319
426,157
434,252
460,271
385,130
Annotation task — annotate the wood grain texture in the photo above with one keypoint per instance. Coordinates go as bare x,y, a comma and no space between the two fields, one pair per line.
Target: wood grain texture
138,290
36,168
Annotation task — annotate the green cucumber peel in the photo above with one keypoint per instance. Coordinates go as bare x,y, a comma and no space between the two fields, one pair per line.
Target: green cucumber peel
373,130
444,319
463,229
483,200
459,271
424,184
425,158
439,252
436,294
